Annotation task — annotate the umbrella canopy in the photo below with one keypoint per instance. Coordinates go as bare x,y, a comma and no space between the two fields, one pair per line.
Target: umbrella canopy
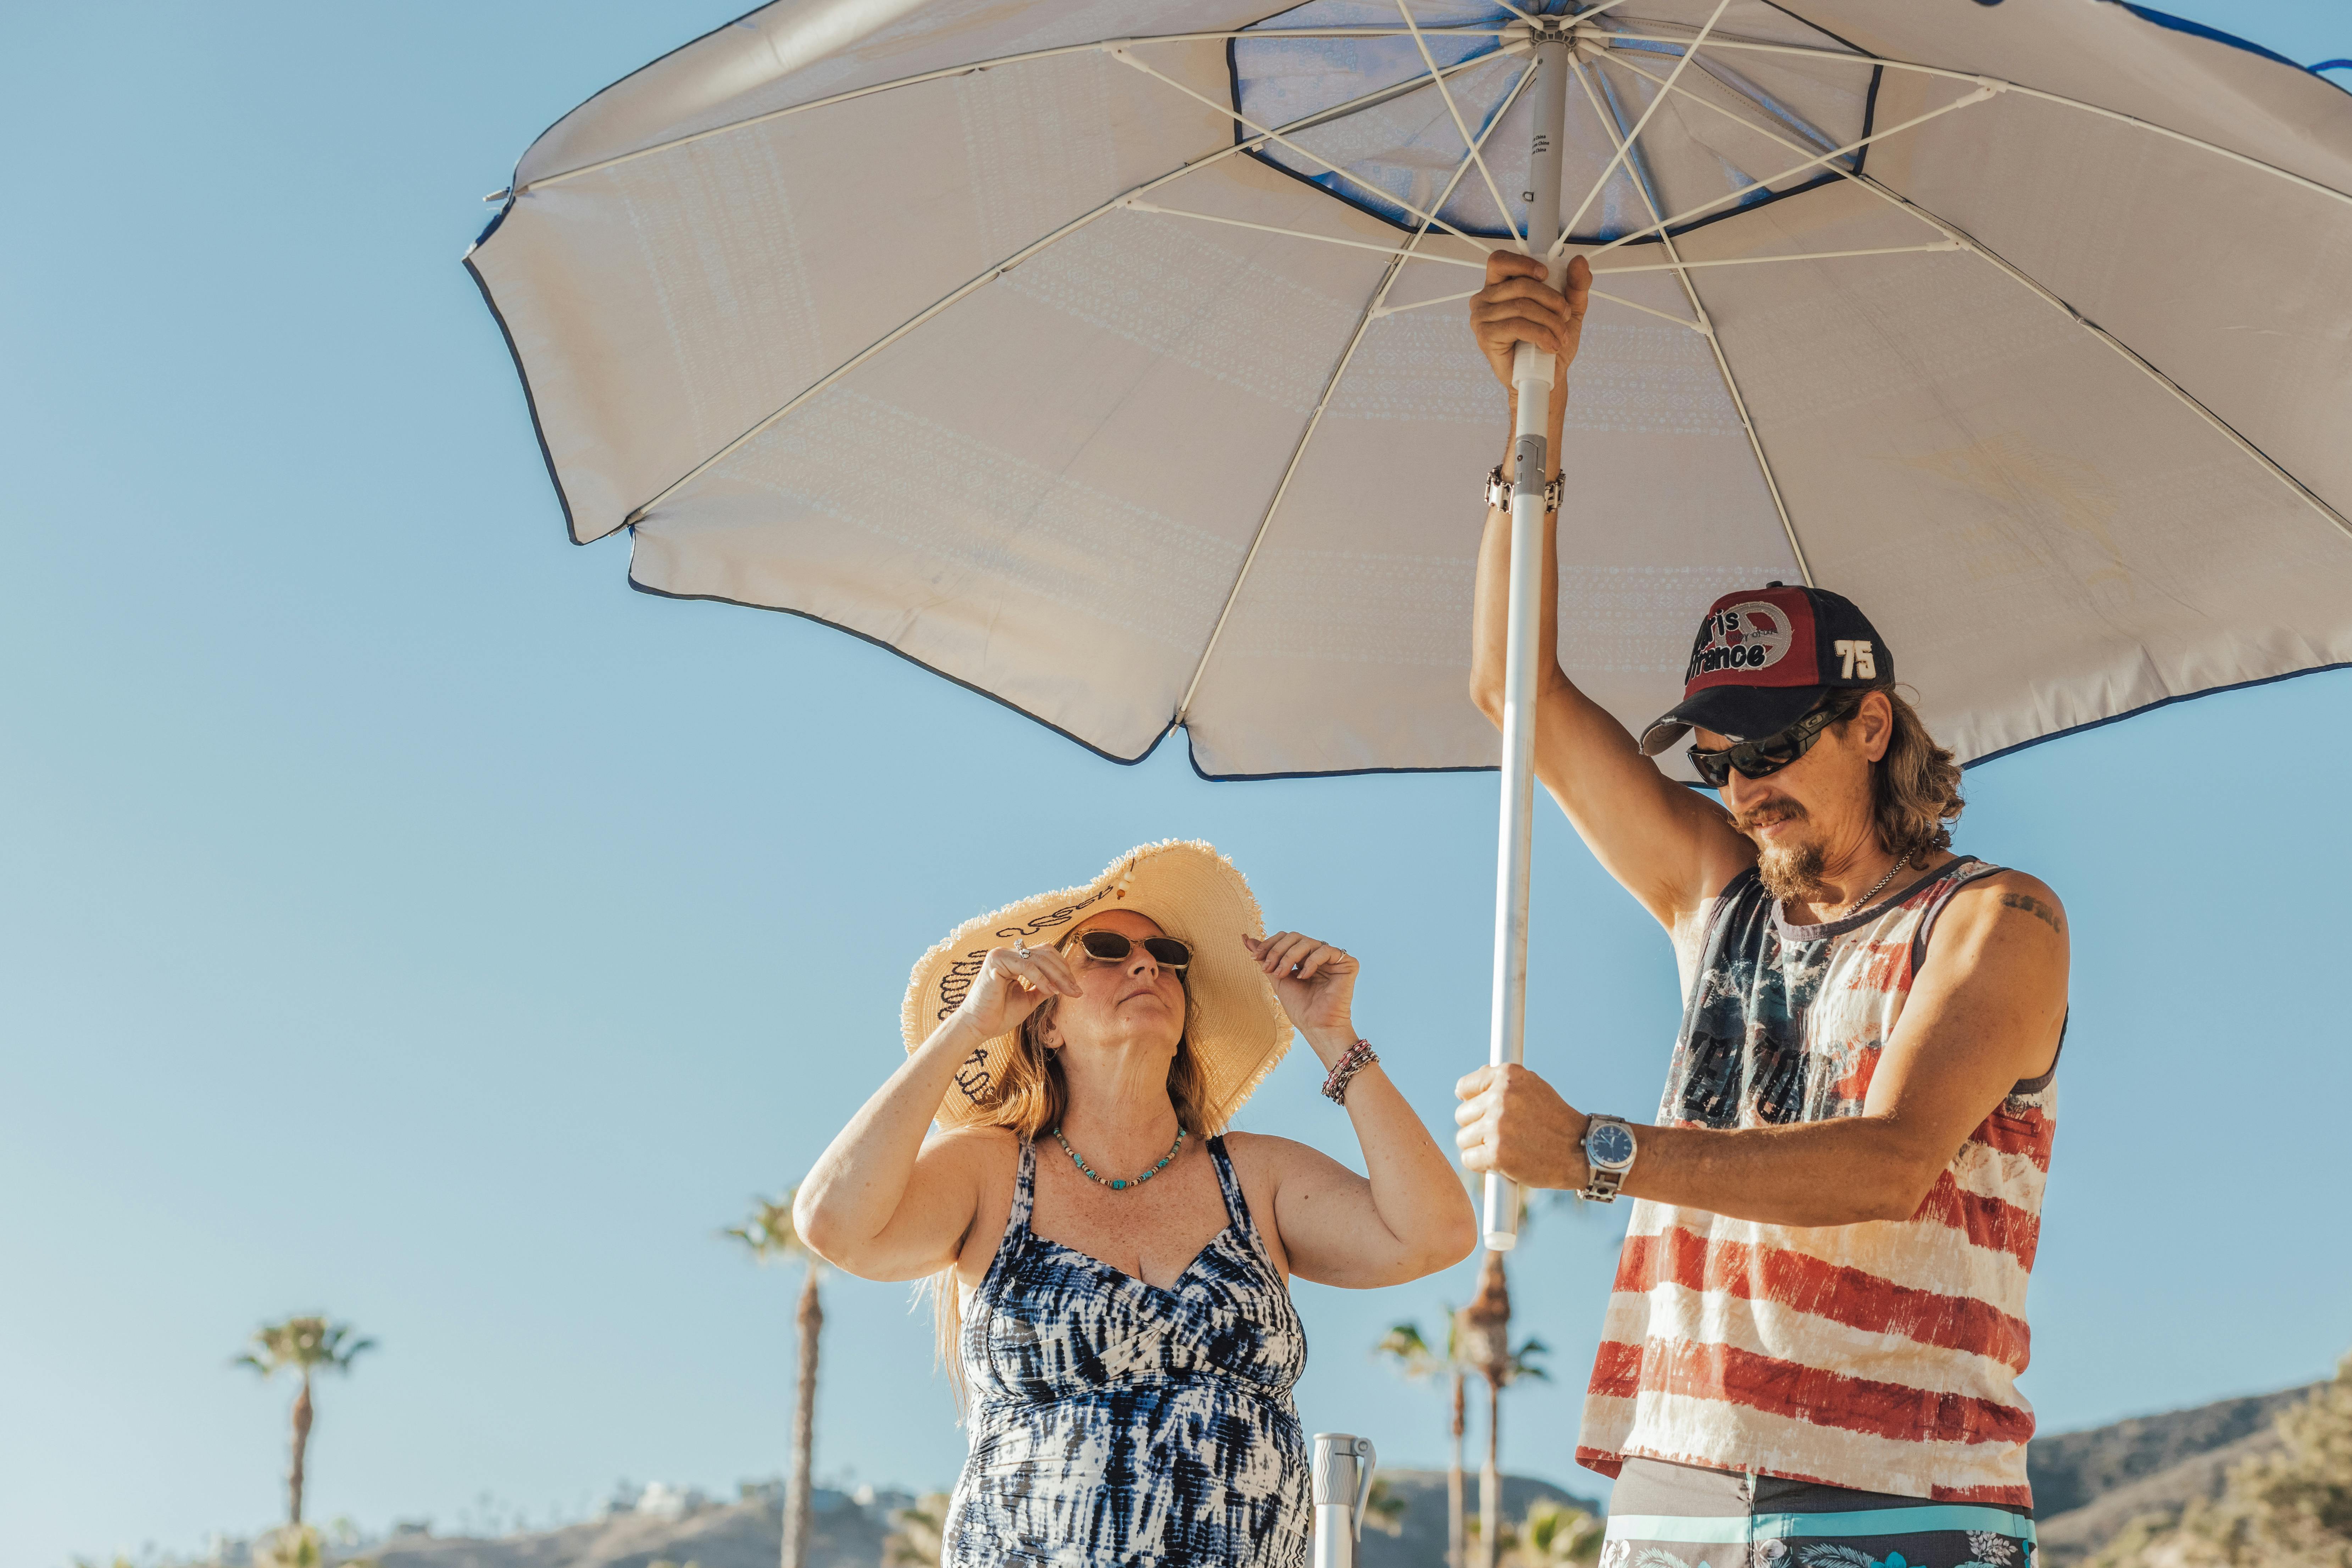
1124,379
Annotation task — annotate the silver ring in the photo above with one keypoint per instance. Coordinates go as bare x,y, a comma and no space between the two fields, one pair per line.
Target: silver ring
1020,947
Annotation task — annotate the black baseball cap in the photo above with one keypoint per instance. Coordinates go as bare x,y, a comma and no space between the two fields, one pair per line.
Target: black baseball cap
1765,657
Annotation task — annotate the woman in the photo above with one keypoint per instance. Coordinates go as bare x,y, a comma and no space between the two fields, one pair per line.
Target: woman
1113,1274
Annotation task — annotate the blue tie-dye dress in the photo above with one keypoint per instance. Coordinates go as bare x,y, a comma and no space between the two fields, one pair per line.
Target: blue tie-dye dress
1114,1422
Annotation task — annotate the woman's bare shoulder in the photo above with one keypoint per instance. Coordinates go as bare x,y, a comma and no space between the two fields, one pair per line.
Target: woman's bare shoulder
1255,1153
977,1148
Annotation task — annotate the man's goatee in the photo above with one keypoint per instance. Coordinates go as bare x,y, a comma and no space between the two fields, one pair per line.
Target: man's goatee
1794,872
1789,872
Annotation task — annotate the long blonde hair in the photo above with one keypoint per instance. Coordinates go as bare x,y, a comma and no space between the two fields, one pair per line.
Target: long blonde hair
1030,1096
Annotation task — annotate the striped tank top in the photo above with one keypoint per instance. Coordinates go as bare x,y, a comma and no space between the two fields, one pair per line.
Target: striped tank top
1884,1355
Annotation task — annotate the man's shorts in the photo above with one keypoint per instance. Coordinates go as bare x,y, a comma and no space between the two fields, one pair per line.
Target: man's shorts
1680,1516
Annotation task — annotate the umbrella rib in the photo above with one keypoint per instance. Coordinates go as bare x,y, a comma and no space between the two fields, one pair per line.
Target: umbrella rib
1989,89
1958,239
1707,324
1460,125
1406,253
1999,85
2032,285
1533,20
1739,119
968,68
1757,260
1683,321
638,513
1315,420
1690,51
1427,219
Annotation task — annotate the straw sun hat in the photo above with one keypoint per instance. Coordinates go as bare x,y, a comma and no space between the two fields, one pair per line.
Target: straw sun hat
1237,1028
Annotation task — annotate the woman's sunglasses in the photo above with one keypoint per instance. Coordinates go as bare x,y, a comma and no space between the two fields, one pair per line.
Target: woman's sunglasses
1762,758
1111,947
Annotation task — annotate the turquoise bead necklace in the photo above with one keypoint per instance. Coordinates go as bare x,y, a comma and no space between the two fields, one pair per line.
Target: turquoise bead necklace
1120,1186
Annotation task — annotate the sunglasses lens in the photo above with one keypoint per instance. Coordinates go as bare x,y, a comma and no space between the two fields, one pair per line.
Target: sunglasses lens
1755,759
1111,947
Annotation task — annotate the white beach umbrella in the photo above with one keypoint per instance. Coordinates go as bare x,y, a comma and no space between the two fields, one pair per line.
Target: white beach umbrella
1110,359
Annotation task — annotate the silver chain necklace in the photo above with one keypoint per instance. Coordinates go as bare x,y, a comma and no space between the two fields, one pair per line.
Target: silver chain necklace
1873,892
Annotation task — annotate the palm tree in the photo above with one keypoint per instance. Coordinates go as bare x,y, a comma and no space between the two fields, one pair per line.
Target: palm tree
1415,1359
1486,1331
771,1238
307,1345
1555,1534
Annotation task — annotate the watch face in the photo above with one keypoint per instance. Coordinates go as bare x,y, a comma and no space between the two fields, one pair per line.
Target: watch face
1609,1145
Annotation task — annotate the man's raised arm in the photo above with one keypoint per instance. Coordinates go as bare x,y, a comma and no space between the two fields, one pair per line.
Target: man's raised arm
1671,847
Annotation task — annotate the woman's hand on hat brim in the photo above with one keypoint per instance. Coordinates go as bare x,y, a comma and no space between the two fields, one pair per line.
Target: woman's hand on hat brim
1010,987
1315,981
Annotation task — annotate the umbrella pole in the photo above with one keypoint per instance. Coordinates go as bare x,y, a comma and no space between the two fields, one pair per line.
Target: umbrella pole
1531,377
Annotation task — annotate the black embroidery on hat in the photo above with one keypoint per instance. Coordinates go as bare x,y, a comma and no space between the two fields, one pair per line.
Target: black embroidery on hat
955,985
973,1078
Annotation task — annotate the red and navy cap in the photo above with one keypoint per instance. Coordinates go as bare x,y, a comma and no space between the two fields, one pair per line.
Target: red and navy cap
1765,657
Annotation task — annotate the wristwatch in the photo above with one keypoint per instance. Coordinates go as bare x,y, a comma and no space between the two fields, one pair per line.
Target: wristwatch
1498,490
1609,1149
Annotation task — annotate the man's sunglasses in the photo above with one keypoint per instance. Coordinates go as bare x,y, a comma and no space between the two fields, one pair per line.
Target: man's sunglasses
1111,947
1762,758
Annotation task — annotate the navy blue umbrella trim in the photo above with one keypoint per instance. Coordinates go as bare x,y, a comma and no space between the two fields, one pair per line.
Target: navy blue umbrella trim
927,669
2172,23
1762,197
530,402
2152,707
730,22
1362,773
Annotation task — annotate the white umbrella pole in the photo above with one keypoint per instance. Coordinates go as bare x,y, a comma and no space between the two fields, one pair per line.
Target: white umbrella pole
1531,376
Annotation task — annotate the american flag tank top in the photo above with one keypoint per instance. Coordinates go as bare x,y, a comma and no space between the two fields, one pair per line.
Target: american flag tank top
1882,1355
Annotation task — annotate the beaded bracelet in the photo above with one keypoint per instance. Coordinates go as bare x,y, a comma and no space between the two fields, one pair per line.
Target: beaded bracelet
1358,1057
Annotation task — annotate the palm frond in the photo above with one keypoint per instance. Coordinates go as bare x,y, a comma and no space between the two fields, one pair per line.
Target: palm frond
1554,1532
305,1343
770,1235
1523,1362
1405,1345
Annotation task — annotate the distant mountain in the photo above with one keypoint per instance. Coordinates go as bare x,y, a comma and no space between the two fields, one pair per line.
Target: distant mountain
846,1534
745,1534
1421,1543
2089,1485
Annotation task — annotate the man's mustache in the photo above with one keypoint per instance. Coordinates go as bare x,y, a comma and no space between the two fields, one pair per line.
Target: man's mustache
1771,811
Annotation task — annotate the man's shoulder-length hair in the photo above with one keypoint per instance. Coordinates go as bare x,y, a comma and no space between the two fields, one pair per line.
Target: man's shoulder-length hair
1915,789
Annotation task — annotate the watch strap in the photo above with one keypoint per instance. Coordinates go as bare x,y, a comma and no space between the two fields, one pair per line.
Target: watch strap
1601,1184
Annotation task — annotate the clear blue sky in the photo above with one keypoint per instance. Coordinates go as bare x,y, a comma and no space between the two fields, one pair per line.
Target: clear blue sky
399,916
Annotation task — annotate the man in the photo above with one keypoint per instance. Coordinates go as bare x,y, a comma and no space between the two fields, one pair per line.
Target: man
1817,1318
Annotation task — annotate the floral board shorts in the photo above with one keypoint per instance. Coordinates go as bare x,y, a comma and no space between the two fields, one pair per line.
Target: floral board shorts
1681,1516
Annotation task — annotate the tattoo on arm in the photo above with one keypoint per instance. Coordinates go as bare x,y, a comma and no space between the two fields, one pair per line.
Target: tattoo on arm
2036,908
